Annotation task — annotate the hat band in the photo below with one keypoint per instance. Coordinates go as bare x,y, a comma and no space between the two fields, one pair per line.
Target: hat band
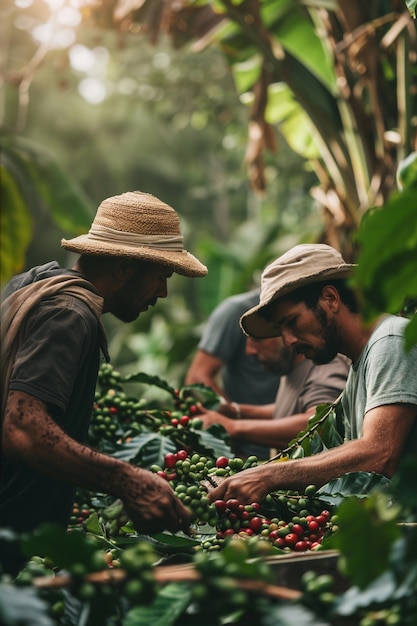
110,235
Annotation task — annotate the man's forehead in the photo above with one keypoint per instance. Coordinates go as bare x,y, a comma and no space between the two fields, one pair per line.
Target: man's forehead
161,269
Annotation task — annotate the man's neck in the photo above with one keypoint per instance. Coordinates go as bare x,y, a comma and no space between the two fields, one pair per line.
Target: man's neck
358,336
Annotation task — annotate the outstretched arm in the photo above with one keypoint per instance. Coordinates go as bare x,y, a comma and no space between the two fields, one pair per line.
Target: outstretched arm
247,411
31,436
385,432
263,430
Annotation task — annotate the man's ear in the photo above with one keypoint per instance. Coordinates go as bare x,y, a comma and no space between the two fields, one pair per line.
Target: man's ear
331,297
122,268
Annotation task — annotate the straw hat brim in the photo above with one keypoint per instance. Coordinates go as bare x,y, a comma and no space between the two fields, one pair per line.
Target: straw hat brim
179,261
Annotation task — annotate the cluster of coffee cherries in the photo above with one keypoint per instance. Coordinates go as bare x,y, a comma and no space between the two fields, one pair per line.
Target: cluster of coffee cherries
301,533
193,467
192,475
80,513
319,592
116,416
175,422
108,377
138,585
184,403
237,518
138,561
185,473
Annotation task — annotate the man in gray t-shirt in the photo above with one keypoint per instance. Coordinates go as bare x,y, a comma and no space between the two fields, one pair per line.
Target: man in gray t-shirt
307,300
221,362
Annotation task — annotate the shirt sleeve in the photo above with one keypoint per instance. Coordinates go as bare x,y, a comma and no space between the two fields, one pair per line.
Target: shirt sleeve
324,383
393,380
55,340
222,334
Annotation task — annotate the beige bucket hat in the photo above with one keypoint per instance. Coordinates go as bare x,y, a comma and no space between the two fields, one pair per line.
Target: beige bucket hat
139,225
302,265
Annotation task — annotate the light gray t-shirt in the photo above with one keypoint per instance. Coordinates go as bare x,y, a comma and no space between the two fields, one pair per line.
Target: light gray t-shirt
384,374
309,385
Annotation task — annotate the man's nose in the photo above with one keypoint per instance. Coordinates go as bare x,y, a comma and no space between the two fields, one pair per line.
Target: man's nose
163,289
288,337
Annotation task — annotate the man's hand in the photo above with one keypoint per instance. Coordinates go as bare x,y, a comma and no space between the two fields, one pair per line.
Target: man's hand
247,487
151,503
213,417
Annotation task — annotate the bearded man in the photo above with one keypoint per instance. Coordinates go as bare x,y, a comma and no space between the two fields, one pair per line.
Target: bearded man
305,299
52,340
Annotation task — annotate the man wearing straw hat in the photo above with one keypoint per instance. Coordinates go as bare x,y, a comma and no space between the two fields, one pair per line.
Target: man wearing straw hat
52,335
306,300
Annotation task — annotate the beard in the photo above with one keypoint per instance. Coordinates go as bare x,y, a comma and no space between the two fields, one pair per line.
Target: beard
124,308
125,315
331,340
283,364
330,336
275,368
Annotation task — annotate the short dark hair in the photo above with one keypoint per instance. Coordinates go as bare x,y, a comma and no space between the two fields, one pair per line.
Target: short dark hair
100,261
310,294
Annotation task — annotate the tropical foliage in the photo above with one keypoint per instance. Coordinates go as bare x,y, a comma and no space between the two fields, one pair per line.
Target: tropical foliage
102,571
337,78
192,133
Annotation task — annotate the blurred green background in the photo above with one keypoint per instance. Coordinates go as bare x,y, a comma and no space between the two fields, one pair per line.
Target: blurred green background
255,151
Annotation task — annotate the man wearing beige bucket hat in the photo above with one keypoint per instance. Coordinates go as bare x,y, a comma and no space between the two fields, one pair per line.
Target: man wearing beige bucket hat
52,334
306,299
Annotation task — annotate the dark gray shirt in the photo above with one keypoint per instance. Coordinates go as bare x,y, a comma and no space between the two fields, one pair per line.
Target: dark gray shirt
57,362
243,378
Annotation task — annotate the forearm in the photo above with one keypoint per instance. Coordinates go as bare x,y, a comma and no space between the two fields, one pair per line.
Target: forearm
379,450
254,484
268,432
247,411
319,469
31,436
205,369
385,431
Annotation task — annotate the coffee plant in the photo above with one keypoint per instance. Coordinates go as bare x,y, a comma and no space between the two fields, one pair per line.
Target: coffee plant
101,571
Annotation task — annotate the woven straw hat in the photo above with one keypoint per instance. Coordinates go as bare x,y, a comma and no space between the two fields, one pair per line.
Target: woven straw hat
302,265
138,225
